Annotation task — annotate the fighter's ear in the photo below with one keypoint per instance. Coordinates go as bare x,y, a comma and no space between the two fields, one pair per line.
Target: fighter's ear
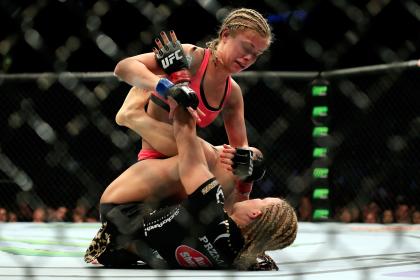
225,33
255,213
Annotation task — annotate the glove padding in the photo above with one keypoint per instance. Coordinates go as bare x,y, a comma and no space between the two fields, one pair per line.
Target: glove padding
184,96
246,167
181,93
170,56
243,165
264,263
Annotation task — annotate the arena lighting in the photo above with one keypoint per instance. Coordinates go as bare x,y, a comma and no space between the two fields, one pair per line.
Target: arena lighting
320,172
320,131
319,152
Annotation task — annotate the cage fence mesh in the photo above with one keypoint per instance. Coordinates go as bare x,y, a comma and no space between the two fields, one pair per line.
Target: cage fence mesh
60,145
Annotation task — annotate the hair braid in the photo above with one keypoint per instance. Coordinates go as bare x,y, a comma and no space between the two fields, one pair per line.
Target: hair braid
242,19
275,229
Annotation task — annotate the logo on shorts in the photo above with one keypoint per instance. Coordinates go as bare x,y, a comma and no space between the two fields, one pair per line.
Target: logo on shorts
209,187
189,257
158,224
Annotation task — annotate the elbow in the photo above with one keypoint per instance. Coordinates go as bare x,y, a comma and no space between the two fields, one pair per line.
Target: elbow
124,67
119,69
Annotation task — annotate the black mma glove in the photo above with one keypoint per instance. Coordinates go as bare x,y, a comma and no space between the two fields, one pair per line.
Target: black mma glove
171,58
264,263
181,93
242,163
246,167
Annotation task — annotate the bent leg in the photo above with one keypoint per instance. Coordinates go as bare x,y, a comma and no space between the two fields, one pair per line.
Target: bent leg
132,114
148,180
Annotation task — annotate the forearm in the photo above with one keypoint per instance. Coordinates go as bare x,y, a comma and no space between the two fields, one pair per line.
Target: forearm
192,164
235,128
136,74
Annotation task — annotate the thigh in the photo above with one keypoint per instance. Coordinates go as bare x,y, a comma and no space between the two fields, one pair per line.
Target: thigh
147,180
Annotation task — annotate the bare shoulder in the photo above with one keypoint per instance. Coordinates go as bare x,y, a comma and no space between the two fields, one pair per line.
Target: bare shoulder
235,95
196,55
189,47
235,87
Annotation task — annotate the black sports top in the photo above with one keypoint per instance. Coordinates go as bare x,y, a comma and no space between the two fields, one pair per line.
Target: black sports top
198,233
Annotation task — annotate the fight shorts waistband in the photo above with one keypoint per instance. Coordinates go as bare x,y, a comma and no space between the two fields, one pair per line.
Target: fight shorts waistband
150,154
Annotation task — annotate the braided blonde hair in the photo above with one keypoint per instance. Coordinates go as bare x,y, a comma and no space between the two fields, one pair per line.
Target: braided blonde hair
275,229
242,19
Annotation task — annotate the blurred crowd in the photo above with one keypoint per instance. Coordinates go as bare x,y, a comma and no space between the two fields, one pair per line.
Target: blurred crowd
25,213
370,212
